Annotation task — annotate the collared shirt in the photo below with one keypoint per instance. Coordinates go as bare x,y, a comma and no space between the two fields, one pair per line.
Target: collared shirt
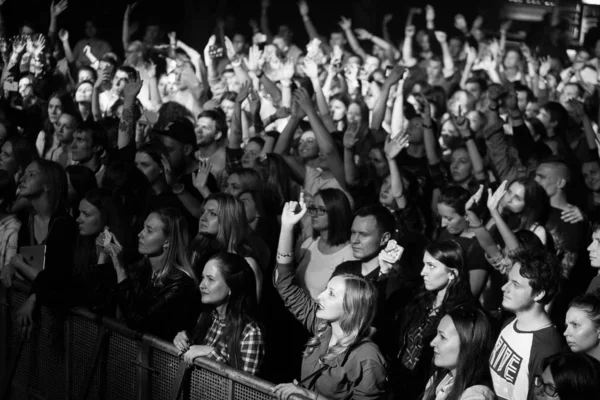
476,392
252,346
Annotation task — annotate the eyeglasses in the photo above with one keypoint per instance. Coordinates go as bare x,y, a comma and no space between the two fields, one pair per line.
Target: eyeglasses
317,210
549,388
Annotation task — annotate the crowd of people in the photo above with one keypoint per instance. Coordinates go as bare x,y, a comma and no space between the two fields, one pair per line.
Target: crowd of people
359,217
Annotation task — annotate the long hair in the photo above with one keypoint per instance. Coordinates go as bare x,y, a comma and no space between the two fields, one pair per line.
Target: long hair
455,197
458,290
359,304
55,179
233,224
83,180
242,305
249,178
339,215
476,335
590,304
111,217
175,256
576,375
537,204
277,181
67,106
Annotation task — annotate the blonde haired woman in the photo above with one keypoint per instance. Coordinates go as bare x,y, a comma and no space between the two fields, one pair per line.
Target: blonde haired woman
340,360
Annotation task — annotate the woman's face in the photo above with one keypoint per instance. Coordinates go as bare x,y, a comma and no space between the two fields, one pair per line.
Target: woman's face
163,83
8,162
251,152
511,60
514,198
446,345
337,109
331,300
228,106
379,162
436,275
547,380
32,183
454,223
307,147
318,214
84,93
581,334
386,198
54,109
460,165
234,185
354,114
25,87
209,220
90,219
65,128
148,166
448,129
152,239
249,207
213,288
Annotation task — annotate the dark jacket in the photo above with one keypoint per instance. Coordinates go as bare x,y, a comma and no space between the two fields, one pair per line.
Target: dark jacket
161,310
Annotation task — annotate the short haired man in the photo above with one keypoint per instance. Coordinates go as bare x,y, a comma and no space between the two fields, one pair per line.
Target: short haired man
530,337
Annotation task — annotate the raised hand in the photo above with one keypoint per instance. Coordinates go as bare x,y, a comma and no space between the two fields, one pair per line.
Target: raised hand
477,23
58,8
282,112
351,72
211,42
395,75
351,135
495,92
310,68
231,54
287,70
363,34
429,13
387,18
172,39
291,215
63,35
303,99
494,199
393,146
19,44
244,92
472,217
461,123
39,44
201,175
410,31
545,65
303,8
132,89
345,23
471,54
441,36
254,100
253,62
505,26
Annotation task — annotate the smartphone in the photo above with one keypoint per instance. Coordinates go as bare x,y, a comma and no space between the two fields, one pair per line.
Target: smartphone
388,70
11,86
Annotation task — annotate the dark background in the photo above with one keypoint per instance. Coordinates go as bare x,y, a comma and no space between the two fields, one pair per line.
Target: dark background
194,20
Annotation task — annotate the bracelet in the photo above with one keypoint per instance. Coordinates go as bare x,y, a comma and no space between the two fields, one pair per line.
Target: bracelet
427,126
285,255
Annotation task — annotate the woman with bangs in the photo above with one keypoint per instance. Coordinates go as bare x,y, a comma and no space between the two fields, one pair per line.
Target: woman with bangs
158,294
243,179
224,226
340,360
59,103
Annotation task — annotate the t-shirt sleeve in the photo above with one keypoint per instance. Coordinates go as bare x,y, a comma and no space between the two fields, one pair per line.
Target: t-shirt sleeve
476,258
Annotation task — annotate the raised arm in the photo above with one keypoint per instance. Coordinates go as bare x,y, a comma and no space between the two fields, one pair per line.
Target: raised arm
308,25
346,25
312,71
447,57
264,19
55,10
392,148
126,34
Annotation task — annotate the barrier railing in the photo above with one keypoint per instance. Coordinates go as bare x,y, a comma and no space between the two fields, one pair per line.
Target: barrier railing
87,357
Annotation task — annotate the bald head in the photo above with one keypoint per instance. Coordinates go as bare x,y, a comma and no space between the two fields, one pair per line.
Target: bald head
553,176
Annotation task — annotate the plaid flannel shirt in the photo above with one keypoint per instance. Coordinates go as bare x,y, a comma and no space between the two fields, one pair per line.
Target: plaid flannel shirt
252,346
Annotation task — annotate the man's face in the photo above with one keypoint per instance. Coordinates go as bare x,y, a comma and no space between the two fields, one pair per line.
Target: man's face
152,33
532,109
337,39
591,175
119,81
285,33
25,87
133,55
569,92
594,250
518,294
176,151
366,237
82,147
546,119
455,46
474,88
547,177
434,69
239,43
27,30
90,29
206,131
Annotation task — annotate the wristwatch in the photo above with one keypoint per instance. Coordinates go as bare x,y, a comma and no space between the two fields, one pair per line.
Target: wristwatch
177,188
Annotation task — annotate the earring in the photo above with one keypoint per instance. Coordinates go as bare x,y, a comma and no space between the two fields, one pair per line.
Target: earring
451,277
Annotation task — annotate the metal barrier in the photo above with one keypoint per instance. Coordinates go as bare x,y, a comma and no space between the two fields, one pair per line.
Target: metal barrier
87,357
